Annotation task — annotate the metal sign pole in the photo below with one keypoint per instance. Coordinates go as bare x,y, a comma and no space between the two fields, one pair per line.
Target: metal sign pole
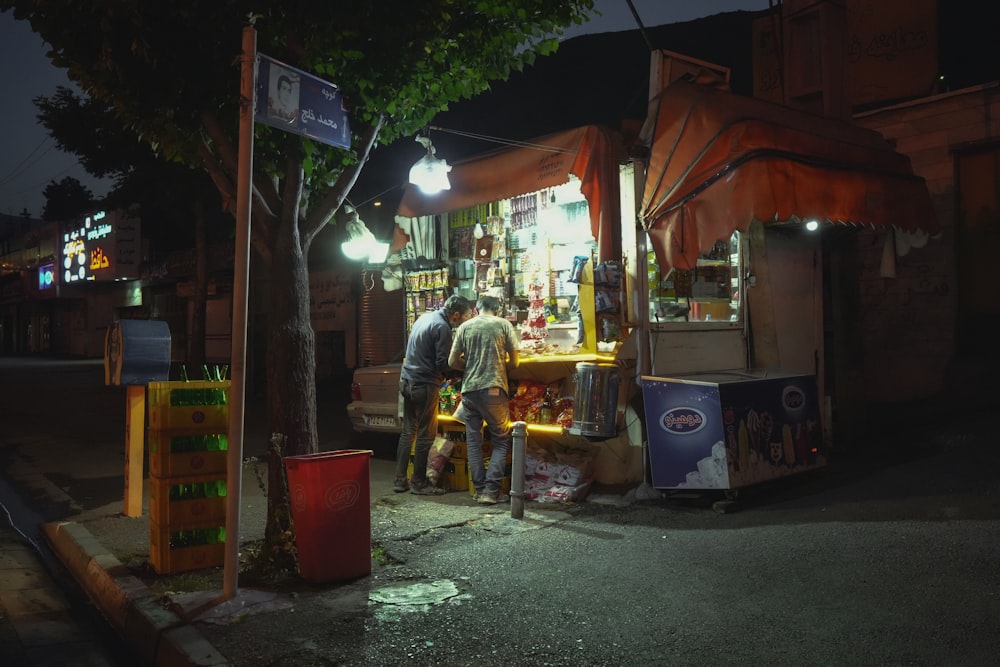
241,280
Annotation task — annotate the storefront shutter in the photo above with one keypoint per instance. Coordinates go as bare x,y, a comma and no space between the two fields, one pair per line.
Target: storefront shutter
381,325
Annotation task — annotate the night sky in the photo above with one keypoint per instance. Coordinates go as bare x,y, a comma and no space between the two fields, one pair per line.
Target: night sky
29,160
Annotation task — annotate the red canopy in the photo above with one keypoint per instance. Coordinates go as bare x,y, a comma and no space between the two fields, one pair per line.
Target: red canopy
720,160
587,152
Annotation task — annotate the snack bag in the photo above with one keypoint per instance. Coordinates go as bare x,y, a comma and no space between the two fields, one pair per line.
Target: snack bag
437,457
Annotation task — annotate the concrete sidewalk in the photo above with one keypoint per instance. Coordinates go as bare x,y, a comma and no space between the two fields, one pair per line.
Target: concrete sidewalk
169,629
73,466
38,625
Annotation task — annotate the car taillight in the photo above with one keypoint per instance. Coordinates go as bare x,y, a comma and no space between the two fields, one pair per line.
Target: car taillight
355,391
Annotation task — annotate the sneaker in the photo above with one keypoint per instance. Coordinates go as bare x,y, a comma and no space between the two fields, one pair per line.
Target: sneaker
427,490
494,498
401,485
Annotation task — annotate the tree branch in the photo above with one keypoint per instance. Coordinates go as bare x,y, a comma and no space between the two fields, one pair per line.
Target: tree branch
230,161
227,189
222,164
321,214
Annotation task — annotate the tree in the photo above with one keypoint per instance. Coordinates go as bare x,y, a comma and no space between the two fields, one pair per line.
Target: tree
67,199
170,73
172,199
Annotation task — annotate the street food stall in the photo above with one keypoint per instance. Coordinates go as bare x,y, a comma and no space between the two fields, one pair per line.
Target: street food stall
716,259
538,226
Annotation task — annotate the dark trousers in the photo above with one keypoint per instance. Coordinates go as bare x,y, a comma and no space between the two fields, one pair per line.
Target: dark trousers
420,410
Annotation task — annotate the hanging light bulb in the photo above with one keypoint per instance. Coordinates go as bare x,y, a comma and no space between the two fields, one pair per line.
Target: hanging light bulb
430,173
478,231
361,244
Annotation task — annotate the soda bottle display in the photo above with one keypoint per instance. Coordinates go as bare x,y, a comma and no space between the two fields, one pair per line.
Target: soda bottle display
197,537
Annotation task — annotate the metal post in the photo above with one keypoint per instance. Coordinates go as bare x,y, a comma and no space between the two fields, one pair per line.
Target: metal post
517,471
241,280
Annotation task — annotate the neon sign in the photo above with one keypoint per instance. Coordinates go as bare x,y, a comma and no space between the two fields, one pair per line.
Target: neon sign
46,276
98,260
85,253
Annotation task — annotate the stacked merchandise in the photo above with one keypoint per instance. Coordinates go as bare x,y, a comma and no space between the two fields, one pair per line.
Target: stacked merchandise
535,326
557,476
607,300
538,403
188,426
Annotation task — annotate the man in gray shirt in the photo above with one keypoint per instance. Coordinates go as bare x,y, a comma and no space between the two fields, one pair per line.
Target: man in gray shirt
486,348
424,366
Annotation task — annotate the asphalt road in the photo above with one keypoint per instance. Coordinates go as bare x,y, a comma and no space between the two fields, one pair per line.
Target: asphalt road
884,558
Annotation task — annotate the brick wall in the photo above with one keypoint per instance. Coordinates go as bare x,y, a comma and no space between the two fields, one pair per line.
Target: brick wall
909,322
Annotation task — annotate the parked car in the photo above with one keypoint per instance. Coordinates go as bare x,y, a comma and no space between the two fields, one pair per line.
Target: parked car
374,406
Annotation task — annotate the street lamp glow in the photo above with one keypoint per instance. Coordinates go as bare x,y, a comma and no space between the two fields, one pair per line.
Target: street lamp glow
430,173
361,244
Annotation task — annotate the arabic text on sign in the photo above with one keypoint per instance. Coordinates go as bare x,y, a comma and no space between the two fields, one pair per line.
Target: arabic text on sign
98,260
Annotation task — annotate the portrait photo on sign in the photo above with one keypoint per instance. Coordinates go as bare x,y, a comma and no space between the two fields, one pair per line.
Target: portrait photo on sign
283,95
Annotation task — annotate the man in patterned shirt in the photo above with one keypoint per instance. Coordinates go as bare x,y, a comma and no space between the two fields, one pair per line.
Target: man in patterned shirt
485,348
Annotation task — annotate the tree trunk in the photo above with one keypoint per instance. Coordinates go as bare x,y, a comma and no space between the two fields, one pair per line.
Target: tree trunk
196,343
291,370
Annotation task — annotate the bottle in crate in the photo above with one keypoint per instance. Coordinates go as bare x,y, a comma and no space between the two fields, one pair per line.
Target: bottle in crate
188,405
184,547
179,500
185,453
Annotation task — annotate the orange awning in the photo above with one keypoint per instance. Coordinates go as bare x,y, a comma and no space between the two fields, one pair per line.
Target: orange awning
719,161
587,152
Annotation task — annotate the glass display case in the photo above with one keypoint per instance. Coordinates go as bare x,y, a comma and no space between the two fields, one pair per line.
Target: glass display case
710,292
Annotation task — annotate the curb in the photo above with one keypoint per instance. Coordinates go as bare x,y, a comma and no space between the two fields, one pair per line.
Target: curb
158,636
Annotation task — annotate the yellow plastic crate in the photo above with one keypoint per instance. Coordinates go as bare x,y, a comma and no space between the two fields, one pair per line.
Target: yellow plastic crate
455,475
184,555
194,405
461,450
180,500
186,453
456,433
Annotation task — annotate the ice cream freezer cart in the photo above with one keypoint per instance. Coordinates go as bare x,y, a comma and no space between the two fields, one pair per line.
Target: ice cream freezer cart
728,430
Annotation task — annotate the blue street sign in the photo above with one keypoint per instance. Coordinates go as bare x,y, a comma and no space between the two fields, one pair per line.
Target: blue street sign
296,101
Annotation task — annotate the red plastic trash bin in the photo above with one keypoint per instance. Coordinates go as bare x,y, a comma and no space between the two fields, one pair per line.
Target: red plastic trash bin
331,511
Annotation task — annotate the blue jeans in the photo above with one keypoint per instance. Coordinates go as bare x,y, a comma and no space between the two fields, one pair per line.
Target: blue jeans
490,406
420,410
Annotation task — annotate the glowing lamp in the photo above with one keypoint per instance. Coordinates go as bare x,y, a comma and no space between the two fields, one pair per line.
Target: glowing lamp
430,173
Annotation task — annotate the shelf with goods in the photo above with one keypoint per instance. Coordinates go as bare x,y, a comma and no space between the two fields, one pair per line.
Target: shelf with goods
708,292
537,252
426,290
